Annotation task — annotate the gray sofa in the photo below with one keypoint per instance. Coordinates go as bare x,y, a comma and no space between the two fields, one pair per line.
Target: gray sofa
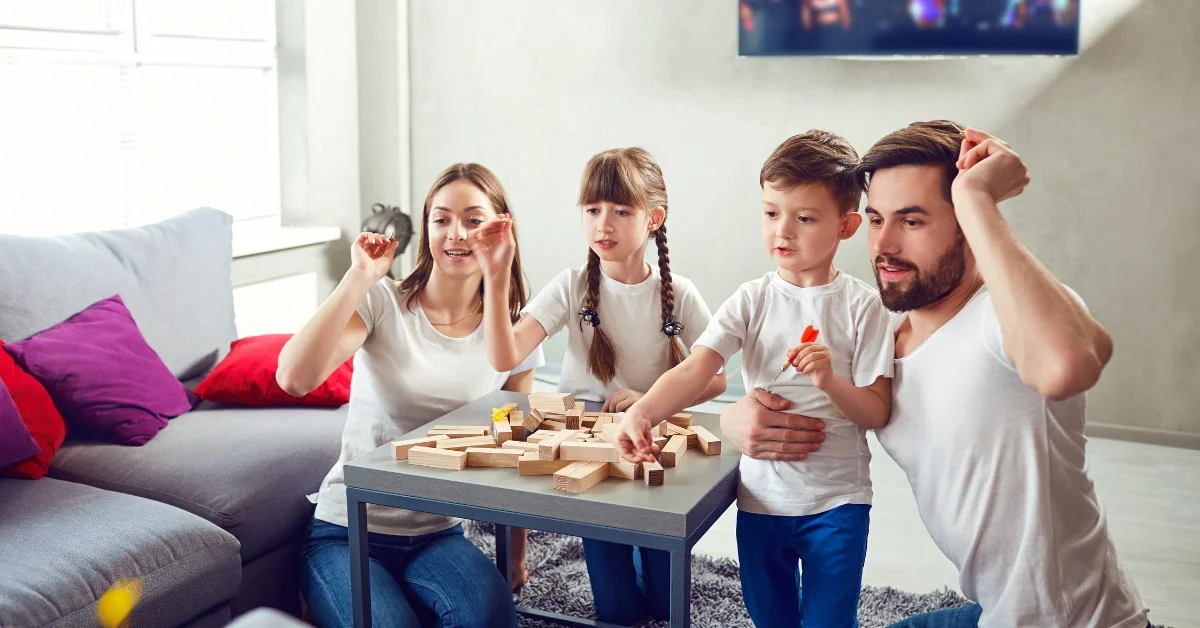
211,512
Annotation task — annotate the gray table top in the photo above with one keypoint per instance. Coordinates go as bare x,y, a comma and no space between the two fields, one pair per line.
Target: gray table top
691,492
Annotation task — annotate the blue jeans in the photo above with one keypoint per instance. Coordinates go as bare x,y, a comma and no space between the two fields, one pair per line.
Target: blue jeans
437,579
964,617
628,582
832,546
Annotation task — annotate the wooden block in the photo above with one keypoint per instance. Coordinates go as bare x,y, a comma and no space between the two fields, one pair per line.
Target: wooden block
554,402
683,419
516,422
578,477
579,436
673,452
591,415
439,458
480,430
533,420
510,406
530,464
548,449
501,432
574,417
660,429
652,473
609,433
596,452
709,444
675,430
459,433
625,470
520,446
589,418
459,444
492,457
540,436
556,426
400,447
661,441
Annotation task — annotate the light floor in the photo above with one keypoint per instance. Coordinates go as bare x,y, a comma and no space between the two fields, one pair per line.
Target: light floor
1151,494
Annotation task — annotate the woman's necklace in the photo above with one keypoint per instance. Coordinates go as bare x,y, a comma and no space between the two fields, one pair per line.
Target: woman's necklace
474,311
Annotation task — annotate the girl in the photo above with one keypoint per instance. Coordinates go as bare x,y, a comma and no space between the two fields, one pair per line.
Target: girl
419,353
627,324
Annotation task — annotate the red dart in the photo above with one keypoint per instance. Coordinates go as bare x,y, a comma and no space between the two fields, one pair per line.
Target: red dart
809,335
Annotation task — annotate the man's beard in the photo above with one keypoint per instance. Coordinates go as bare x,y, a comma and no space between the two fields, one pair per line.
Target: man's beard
925,288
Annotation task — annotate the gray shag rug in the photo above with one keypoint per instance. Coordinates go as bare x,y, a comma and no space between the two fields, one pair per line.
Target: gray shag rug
558,582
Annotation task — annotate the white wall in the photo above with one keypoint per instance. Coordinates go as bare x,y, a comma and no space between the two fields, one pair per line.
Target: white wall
533,88
343,95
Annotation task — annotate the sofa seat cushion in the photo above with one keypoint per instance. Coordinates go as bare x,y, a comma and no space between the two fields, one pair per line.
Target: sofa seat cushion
248,470
65,544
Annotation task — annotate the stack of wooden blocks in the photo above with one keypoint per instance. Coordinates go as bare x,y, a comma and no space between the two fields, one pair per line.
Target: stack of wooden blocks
555,438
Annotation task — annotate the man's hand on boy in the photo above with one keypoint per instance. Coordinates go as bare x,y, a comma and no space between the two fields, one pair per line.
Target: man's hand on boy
758,426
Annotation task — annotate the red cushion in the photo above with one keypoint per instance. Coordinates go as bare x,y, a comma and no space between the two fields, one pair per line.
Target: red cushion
247,376
39,414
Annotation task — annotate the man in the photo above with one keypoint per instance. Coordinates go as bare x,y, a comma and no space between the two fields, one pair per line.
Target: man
992,361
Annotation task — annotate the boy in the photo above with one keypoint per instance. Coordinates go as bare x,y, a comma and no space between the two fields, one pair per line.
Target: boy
816,511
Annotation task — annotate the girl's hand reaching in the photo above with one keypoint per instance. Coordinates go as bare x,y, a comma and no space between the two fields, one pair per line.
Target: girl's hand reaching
494,246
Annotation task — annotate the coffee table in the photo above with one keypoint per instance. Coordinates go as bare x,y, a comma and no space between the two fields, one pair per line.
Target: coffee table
671,517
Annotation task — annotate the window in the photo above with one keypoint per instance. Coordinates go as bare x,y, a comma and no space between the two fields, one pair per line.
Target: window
122,112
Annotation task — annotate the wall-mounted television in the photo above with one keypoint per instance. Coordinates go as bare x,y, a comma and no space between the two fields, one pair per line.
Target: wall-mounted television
908,27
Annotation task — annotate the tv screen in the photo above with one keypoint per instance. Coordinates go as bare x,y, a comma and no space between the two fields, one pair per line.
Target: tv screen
907,27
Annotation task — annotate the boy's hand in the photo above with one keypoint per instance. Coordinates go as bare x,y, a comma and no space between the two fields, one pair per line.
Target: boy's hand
621,400
633,439
814,360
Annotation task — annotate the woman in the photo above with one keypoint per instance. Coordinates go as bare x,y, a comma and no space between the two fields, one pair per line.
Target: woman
419,353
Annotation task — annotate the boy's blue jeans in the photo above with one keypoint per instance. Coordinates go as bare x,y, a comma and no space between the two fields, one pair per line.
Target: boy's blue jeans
832,546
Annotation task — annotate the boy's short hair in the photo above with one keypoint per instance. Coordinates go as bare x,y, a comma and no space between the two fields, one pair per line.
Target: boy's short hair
816,157
934,143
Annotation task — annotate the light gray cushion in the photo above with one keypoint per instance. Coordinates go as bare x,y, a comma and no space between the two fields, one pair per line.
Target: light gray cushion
247,470
62,545
174,276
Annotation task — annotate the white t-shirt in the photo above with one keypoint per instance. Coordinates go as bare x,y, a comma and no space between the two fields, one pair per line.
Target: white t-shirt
764,319
631,316
1001,482
405,375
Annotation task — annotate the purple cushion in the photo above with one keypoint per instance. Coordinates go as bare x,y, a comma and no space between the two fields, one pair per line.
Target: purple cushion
16,444
108,383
